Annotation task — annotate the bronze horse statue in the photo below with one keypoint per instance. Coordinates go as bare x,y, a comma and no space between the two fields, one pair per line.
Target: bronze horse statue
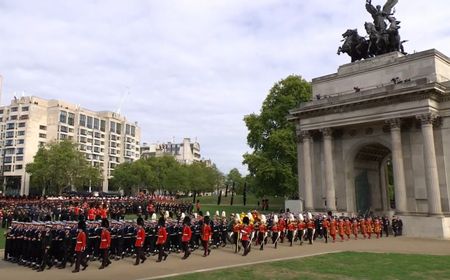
357,47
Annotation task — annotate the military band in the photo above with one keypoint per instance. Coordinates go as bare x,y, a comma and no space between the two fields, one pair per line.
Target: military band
42,245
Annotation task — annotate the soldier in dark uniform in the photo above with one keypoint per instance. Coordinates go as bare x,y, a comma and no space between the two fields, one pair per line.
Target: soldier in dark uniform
46,248
66,247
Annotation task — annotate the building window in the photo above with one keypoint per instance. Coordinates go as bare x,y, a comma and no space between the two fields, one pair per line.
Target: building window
63,129
20,141
42,135
19,151
71,119
14,109
7,168
133,131
9,134
96,123
127,129
63,117
10,126
42,127
19,158
25,109
112,126
62,136
82,120
119,128
89,122
22,124
1,111
7,160
19,166
21,133
24,117
13,118
103,126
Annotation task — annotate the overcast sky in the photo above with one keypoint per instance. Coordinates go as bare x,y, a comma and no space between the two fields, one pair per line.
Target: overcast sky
193,68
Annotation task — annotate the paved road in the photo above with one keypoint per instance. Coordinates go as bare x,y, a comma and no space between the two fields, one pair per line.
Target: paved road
125,269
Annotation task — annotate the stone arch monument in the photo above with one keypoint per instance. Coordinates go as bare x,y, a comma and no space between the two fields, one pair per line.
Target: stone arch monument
385,114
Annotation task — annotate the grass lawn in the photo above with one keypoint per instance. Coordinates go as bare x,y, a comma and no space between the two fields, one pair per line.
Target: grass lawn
2,238
347,265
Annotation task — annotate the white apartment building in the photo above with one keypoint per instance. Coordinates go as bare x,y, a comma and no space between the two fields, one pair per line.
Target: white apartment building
186,152
106,138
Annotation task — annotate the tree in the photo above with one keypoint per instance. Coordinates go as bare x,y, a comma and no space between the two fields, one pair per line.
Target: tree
273,162
59,166
234,176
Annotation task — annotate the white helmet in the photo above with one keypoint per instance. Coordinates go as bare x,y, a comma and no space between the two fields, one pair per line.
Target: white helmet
153,218
217,213
166,214
275,219
263,219
291,217
238,218
310,216
224,215
300,217
207,213
195,215
182,216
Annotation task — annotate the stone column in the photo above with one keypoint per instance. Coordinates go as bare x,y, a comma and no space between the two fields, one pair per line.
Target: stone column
307,169
431,172
329,169
397,164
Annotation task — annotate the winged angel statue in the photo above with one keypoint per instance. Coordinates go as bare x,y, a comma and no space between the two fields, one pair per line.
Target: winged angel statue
383,34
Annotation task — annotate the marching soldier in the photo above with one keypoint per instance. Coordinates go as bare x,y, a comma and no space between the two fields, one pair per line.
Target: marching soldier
262,232
186,238
46,246
206,236
105,244
80,247
246,233
139,243
162,239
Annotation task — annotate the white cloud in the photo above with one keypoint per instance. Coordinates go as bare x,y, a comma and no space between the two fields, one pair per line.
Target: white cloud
194,68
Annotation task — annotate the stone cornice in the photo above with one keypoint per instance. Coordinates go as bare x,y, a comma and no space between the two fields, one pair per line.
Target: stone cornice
356,101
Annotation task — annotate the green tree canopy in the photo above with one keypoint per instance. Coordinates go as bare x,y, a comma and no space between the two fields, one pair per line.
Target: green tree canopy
234,176
165,173
59,166
273,162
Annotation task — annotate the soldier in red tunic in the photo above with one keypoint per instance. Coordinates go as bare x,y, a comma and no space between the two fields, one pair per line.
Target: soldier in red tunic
162,238
105,243
341,229
186,238
246,232
262,232
206,236
80,247
275,231
325,226
301,228
139,243
355,228
333,229
348,227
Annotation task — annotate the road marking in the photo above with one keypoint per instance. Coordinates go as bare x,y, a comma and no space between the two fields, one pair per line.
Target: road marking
236,265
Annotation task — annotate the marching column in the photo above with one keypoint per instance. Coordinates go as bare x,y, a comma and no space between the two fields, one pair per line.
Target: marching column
306,139
329,169
431,172
397,164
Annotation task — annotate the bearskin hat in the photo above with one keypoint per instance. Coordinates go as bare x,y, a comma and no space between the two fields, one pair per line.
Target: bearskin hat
82,225
246,220
161,221
140,221
187,220
105,223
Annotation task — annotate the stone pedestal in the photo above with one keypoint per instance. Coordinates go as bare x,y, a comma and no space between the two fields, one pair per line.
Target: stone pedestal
426,227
